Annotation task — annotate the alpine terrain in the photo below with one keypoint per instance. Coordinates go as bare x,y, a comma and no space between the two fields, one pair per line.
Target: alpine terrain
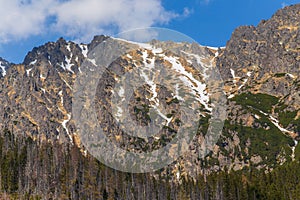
256,156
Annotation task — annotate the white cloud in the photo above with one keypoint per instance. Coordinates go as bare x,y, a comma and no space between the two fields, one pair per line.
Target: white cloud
19,19
187,12
77,18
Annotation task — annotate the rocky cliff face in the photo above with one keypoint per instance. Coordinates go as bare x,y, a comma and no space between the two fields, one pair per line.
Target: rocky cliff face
260,68
264,58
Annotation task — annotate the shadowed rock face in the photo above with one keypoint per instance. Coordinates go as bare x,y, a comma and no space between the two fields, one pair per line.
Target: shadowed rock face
260,67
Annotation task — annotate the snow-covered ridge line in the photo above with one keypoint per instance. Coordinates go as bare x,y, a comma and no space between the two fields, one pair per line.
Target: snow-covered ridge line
213,48
142,45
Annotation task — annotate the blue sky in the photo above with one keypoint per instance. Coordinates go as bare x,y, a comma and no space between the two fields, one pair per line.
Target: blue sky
29,23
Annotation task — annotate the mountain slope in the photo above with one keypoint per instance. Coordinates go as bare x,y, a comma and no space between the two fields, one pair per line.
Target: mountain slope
260,67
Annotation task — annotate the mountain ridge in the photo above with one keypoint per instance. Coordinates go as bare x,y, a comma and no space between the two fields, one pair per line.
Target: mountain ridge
42,154
260,67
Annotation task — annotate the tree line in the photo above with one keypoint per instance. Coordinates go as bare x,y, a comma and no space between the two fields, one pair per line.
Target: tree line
39,170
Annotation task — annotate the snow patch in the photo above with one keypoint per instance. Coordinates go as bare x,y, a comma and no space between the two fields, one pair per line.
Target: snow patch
3,69
150,82
213,48
291,75
68,47
143,45
157,51
146,73
129,56
243,84
84,50
42,76
67,83
231,96
293,149
93,61
257,116
33,62
28,71
68,65
177,92
198,59
197,88
217,54
121,92
119,113
276,123
245,80
64,124
233,76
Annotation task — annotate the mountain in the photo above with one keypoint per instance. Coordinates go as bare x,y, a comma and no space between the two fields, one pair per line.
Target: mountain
260,69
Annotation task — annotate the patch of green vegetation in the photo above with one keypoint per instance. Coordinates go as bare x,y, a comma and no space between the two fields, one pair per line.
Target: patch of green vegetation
203,125
278,75
297,126
212,161
177,121
285,118
169,115
280,107
142,112
266,142
170,129
263,102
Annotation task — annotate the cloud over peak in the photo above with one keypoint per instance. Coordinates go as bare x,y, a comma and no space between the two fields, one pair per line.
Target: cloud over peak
77,18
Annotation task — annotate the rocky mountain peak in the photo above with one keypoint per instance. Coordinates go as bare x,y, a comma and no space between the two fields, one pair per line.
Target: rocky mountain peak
264,51
61,55
96,40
